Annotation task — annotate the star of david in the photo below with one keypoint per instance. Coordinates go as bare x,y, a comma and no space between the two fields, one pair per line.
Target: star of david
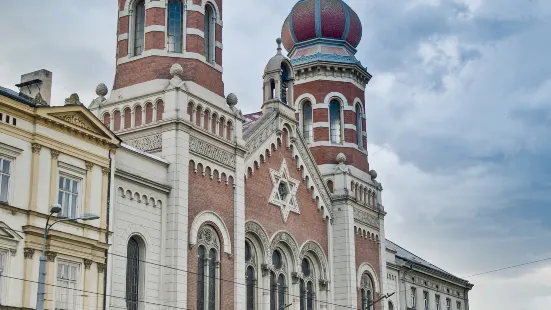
284,191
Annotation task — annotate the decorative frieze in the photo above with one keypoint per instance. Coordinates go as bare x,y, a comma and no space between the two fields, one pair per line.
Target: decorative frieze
366,218
212,152
261,137
148,143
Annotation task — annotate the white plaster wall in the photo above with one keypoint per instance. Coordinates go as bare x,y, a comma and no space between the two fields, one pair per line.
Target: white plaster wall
22,170
12,288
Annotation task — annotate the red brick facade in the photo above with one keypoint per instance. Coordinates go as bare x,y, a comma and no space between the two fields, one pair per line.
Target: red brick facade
328,155
367,251
219,200
320,89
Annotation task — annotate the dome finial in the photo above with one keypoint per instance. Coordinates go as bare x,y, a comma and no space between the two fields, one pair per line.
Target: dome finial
278,41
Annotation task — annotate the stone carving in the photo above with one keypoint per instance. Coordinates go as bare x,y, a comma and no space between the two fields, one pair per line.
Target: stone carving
50,256
315,176
73,99
366,218
208,237
101,90
261,137
13,252
148,143
255,228
89,165
87,263
211,152
289,202
28,253
105,171
75,120
38,100
313,247
36,148
54,153
286,238
101,267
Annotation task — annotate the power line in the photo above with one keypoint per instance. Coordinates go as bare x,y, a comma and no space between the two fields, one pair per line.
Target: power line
509,267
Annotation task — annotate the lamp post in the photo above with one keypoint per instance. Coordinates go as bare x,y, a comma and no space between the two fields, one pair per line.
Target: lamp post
42,269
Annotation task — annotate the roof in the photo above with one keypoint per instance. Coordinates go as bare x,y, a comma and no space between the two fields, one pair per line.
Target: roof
146,154
15,96
407,255
250,119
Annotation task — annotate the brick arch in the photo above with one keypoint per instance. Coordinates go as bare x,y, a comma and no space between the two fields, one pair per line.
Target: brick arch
206,217
335,95
367,268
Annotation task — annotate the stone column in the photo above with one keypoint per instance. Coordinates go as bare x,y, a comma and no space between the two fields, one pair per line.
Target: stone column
104,189
89,167
99,295
28,276
50,280
209,126
202,120
240,291
53,176
194,115
217,127
132,118
87,295
35,169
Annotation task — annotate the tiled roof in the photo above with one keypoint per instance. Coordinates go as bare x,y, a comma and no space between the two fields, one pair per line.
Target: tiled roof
403,253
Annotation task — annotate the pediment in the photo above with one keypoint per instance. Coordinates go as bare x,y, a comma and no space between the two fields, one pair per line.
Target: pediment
7,233
78,117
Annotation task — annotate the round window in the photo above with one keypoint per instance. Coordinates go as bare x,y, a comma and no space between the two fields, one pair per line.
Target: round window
276,259
306,267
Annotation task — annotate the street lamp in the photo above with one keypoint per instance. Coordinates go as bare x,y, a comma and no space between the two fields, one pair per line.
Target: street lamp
42,269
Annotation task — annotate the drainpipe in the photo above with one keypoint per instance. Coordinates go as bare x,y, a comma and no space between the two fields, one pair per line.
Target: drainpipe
107,231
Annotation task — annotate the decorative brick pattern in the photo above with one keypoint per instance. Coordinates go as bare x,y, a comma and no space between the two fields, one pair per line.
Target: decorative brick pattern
333,19
304,20
355,29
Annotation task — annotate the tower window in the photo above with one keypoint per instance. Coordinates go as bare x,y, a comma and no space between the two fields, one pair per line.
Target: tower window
307,121
359,126
272,89
175,21
210,24
284,82
139,28
335,121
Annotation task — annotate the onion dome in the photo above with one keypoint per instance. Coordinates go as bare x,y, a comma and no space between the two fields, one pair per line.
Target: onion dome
321,19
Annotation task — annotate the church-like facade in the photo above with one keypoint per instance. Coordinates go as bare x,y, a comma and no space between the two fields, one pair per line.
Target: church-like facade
211,209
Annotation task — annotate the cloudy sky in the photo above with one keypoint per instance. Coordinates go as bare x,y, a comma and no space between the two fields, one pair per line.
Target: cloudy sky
459,116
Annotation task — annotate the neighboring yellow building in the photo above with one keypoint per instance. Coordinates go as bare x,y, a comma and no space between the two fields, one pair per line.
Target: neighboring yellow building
52,155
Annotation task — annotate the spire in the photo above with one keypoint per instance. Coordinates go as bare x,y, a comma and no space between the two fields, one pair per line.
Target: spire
278,41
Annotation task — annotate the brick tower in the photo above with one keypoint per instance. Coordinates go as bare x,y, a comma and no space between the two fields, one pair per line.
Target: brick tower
321,37
155,34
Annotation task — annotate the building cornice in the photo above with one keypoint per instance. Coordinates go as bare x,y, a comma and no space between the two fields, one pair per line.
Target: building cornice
134,178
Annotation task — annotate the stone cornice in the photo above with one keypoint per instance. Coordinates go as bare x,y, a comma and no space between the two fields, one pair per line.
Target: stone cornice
437,273
142,181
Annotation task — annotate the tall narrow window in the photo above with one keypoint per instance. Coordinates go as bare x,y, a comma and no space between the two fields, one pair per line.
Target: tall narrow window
138,113
209,33
207,273
5,174
458,305
310,296
335,121
175,20
367,292
364,299
272,89
127,118
413,297
437,301
66,286
107,120
273,291
390,305
278,288
250,288
284,82
448,304
281,288
200,278
148,113
307,121
302,295
132,274
117,120
426,300
359,126
139,28
68,196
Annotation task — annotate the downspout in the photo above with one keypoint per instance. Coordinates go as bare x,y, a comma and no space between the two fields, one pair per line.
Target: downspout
107,231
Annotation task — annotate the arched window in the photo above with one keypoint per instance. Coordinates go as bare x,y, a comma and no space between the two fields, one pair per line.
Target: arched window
335,121
127,118
278,288
307,294
107,120
134,272
138,111
366,285
272,89
175,21
250,275
148,113
284,82
117,120
210,24
390,305
139,28
160,110
208,269
359,126
307,121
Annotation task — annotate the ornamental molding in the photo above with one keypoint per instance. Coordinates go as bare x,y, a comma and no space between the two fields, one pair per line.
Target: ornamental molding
366,218
311,246
325,57
315,174
76,120
211,152
286,238
288,202
261,137
255,228
148,143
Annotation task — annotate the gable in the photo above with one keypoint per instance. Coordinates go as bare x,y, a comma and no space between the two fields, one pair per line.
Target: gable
78,118
267,135
8,237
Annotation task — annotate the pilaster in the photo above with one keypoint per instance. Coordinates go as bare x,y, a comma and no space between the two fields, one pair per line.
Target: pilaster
240,293
35,169
50,280
27,277
89,167
53,176
100,285
87,298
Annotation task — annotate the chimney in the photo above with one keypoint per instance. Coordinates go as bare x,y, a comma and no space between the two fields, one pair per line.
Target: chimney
37,86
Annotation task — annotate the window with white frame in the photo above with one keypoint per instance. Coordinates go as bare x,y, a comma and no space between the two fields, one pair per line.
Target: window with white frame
307,121
359,126
139,28
208,269
3,263
66,286
68,195
209,32
5,174
335,121
426,300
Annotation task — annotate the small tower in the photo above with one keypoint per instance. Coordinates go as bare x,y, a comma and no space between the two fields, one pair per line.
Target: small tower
279,83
